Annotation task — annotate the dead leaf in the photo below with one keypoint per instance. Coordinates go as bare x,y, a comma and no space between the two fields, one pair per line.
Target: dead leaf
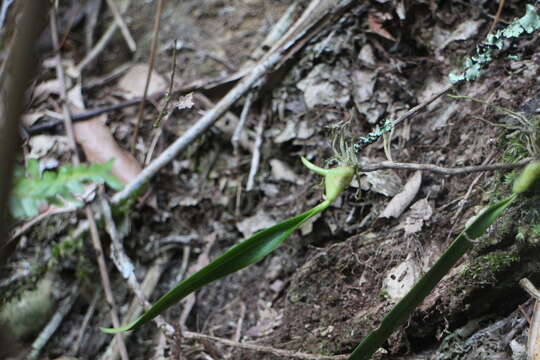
399,203
99,146
420,212
251,225
133,82
282,171
375,26
385,182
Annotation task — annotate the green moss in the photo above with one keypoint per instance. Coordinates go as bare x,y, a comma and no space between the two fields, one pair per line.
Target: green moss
485,268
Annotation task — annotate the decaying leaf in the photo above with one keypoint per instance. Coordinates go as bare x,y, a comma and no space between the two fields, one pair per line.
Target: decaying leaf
133,82
100,146
420,211
399,203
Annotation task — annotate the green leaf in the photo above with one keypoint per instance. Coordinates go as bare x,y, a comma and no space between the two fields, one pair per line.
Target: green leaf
238,257
402,310
32,188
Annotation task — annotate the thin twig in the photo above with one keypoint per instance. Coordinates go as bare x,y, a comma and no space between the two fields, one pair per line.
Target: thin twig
63,309
153,49
100,45
89,313
256,158
135,309
497,16
240,126
164,113
265,349
123,27
76,160
440,169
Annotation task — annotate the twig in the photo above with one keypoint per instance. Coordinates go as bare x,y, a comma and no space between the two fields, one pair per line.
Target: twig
76,160
90,21
163,113
202,261
63,309
374,136
256,158
89,313
238,332
100,45
157,22
440,169
135,308
123,27
497,17
266,349
240,126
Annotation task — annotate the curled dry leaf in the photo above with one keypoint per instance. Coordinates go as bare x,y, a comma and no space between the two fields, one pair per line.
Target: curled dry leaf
100,146
399,203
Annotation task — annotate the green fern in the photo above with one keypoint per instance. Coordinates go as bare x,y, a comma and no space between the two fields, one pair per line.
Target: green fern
34,189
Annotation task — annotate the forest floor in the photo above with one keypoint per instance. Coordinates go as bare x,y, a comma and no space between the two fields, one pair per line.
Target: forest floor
332,282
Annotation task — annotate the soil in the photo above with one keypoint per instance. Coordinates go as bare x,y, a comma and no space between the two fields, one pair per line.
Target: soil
326,287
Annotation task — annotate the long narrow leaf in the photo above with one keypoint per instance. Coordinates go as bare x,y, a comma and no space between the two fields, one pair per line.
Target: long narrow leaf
238,257
401,311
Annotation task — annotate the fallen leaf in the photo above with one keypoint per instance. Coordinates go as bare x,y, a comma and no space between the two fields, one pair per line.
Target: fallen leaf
385,182
420,212
99,146
133,82
252,224
399,203
282,171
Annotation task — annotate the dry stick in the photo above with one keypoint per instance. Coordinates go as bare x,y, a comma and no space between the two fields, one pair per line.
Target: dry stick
157,22
149,283
265,349
240,126
419,107
440,169
100,45
256,158
123,27
76,160
89,313
164,113
63,309
497,16
124,264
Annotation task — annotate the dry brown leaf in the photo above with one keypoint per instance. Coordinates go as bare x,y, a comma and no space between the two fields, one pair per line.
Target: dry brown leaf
399,203
100,146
